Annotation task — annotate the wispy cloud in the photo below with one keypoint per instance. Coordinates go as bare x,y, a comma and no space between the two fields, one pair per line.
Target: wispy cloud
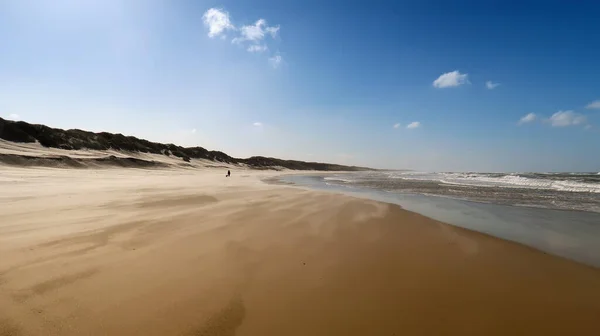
14,116
593,105
253,37
273,31
256,33
276,61
567,118
531,117
397,125
491,85
257,124
451,79
558,119
217,21
194,130
588,127
257,48
413,125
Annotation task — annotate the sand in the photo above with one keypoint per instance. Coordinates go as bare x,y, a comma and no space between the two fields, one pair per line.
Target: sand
190,252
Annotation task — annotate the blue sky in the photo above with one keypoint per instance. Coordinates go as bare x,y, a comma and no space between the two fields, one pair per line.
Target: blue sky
484,85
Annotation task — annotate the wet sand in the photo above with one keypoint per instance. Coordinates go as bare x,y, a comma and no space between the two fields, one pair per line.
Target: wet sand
190,252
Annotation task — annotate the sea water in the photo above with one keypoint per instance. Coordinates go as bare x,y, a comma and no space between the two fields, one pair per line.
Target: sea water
529,217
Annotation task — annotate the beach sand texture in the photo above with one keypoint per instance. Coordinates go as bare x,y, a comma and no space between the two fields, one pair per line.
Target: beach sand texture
190,252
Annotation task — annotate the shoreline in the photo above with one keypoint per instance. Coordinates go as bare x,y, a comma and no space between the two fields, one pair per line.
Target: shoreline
167,252
272,180
564,233
334,178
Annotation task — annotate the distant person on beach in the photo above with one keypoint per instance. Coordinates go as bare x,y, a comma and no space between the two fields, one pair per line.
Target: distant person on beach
228,173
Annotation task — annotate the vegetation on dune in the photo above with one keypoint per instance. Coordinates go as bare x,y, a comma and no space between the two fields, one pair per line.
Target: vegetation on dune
75,139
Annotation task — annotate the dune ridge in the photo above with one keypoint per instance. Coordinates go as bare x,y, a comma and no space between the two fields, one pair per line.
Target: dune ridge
78,140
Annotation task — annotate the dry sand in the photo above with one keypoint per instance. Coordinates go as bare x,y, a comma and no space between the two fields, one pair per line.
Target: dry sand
190,252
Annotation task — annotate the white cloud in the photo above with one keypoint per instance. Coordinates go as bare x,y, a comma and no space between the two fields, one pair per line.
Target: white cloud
567,118
273,31
397,125
257,124
256,33
14,116
527,118
593,105
587,127
451,79
217,21
252,37
257,48
194,130
252,33
491,85
414,124
276,61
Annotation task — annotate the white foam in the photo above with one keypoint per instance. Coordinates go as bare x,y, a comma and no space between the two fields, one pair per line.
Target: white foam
516,181
494,180
337,179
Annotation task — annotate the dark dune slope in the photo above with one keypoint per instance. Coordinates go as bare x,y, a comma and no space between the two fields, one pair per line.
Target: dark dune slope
74,139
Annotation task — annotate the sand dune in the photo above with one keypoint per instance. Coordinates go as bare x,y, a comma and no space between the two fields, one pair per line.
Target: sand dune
190,252
24,144
14,154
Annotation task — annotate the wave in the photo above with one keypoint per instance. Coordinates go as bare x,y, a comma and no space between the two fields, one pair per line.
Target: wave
572,182
516,181
337,179
565,190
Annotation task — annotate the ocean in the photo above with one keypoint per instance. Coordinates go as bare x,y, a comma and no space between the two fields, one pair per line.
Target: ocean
558,213
564,191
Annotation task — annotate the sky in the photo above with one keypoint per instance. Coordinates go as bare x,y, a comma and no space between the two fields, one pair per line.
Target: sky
440,85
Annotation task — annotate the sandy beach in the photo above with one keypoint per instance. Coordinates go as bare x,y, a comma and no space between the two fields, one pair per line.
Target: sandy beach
190,252
297,168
